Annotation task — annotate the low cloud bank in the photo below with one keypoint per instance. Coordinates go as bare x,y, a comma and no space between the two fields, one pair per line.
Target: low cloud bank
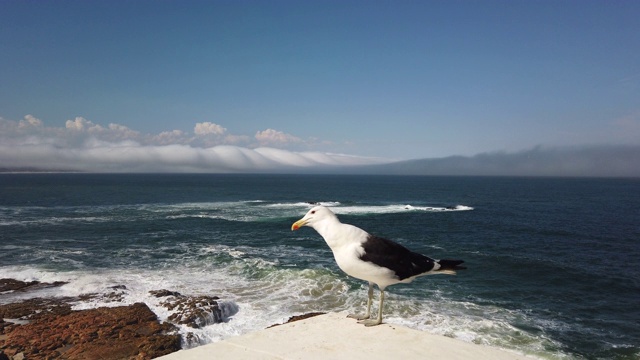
578,161
85,146
130,157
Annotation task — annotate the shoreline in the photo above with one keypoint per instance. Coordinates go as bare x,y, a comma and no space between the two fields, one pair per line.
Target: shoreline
46,327
334,336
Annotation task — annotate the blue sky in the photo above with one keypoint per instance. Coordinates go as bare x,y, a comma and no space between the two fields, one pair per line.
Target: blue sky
390,79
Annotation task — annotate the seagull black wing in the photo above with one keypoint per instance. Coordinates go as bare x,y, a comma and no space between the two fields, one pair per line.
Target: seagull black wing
391,255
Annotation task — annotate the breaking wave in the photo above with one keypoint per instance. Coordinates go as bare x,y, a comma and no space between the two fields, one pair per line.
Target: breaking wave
243,211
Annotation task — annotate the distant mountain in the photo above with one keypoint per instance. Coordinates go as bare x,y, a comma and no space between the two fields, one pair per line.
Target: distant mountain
595,161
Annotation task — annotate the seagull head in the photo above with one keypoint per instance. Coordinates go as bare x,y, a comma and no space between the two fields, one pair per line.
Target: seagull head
313,217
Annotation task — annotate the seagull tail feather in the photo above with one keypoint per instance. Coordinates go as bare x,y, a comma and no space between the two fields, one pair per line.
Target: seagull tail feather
449,266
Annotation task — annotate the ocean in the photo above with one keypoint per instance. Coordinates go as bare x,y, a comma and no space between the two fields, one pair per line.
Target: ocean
553,263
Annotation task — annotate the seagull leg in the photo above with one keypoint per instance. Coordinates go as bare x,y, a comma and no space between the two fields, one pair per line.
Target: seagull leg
378,321
368,313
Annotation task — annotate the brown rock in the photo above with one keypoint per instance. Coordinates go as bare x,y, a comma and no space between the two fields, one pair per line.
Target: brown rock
193,311
164,293
33,309
17,285
298,318
116,294
13,284
123,332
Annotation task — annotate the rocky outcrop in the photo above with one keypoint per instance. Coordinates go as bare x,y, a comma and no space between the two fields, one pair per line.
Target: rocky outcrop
123,332
298,318
47,328
25,312
193,311
10,285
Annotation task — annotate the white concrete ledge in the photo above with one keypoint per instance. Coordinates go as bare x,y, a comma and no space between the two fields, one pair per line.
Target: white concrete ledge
334,336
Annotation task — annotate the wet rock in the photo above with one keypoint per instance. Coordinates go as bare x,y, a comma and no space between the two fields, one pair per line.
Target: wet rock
164,293
9,285
48,328
298,318
36,308
123,332
193,311
13,285
116,294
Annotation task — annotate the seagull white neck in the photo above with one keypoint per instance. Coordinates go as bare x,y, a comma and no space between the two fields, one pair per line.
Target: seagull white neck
335,233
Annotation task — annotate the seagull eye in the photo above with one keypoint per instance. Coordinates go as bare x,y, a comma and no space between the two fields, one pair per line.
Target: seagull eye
313,212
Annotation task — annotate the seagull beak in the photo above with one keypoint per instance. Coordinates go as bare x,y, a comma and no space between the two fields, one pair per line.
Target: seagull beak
298,224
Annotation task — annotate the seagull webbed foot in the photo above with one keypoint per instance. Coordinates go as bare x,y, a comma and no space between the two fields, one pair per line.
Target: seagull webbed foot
359,317
370,322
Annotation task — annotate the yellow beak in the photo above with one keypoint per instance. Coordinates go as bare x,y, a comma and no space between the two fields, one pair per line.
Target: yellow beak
298,224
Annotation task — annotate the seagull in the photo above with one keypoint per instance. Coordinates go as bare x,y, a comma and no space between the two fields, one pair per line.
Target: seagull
371,258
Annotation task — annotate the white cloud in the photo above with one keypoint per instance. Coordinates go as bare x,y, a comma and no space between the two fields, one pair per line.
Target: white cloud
123,131
82,124
80,127
274,137
85,146
30,121
206,134
132,157
208,128
170,137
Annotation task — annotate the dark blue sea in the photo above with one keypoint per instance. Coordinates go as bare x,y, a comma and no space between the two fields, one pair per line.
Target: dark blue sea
553,263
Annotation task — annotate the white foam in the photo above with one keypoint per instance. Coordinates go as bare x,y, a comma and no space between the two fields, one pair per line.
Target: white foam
288,205
327,203
308,204
394,208
463,208
54,221
242,211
